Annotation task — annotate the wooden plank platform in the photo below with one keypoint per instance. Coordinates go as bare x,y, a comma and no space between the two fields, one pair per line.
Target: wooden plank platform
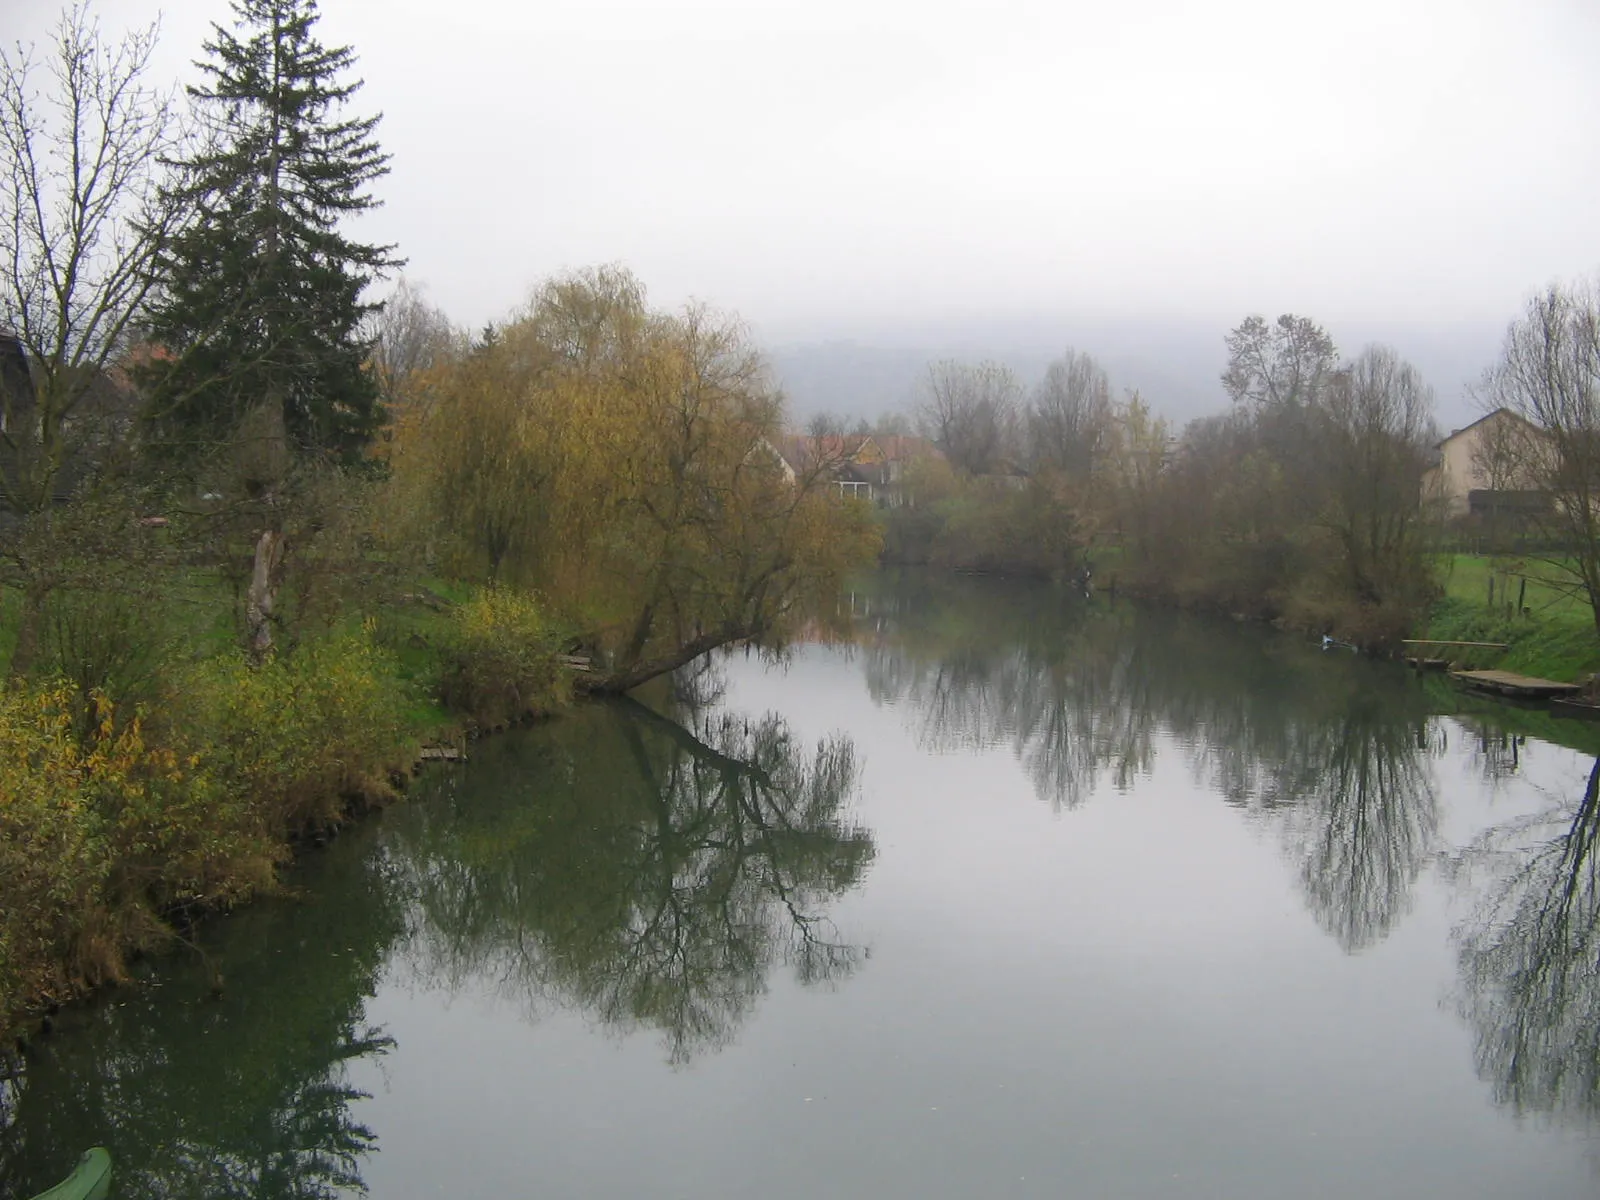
1508,683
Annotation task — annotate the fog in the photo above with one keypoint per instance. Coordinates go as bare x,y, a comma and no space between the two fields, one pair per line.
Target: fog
988,179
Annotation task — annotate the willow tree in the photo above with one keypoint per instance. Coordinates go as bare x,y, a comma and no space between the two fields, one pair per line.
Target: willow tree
512,462
622,461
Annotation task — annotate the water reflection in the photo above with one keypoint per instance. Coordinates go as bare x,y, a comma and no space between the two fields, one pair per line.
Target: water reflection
1362,818
1059,683
1530,962
648,872
653,875
245,1094
1083,694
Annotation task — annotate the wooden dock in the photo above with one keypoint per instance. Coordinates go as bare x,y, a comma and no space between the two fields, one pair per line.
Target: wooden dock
1508,683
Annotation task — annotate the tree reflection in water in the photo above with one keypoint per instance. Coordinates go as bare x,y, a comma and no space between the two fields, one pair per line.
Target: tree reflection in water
1530,962
650,873
242,1095
1363,817
647,872
1085,695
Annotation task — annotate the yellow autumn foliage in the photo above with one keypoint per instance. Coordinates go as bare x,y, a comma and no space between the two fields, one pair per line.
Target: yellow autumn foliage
624,462
299,735
99,835
498,663
105,832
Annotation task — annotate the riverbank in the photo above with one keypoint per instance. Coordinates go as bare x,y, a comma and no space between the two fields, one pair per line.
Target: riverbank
125,817
1547,631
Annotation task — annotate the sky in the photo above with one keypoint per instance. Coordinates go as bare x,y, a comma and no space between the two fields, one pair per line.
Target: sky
884,171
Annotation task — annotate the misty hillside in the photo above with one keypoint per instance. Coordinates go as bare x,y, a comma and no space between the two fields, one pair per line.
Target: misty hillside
1176,368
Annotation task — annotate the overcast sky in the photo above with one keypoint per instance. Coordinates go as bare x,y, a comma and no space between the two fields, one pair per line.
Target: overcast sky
853,168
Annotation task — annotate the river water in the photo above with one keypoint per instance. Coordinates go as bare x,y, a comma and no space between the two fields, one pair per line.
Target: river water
1001,894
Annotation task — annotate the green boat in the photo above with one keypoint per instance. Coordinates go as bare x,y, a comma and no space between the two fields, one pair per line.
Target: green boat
90,1179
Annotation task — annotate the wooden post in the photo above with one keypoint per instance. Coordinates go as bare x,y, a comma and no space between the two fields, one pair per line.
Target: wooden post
1522,592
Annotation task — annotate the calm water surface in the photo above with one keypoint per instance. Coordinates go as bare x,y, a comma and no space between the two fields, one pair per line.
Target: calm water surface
1007,895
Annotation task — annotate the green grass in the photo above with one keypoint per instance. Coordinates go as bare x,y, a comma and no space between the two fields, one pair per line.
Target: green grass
1554,638
198,615
1548,595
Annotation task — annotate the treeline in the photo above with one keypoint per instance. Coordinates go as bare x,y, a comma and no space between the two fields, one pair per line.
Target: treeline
1305,502
260,535
1302,502
1026,482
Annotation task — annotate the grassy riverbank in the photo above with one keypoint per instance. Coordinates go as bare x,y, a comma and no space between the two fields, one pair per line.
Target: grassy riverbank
1551,635
131,805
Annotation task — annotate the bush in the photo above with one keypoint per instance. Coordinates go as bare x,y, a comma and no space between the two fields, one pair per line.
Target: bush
302,734
109,643
100,832
1032,530
499,662
106,830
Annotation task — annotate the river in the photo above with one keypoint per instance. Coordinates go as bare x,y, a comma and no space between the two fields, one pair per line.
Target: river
999,893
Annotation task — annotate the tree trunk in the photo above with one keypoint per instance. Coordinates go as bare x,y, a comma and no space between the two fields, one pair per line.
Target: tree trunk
29,619
632,676
262,593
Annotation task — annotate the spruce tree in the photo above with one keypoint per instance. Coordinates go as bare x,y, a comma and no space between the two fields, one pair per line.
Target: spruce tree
260,311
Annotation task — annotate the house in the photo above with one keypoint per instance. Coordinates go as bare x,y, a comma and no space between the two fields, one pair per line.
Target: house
868,466
1489,468
764,452
95,420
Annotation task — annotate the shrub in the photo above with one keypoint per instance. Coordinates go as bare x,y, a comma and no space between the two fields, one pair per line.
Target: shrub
303,733
108,643
499,661
100,832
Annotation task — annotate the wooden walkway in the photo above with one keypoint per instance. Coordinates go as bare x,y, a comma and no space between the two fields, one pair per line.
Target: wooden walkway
1507,683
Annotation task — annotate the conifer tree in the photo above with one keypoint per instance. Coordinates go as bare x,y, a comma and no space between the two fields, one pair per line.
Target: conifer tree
260,312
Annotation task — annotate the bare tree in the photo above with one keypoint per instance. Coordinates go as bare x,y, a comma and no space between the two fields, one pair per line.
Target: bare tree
1071,420
1549,375
970,412
892,424
1278,366
81,142
410,336
80,218
1378,426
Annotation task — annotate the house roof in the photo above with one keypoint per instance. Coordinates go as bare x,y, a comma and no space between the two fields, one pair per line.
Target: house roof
903,447
803,450
1489,416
